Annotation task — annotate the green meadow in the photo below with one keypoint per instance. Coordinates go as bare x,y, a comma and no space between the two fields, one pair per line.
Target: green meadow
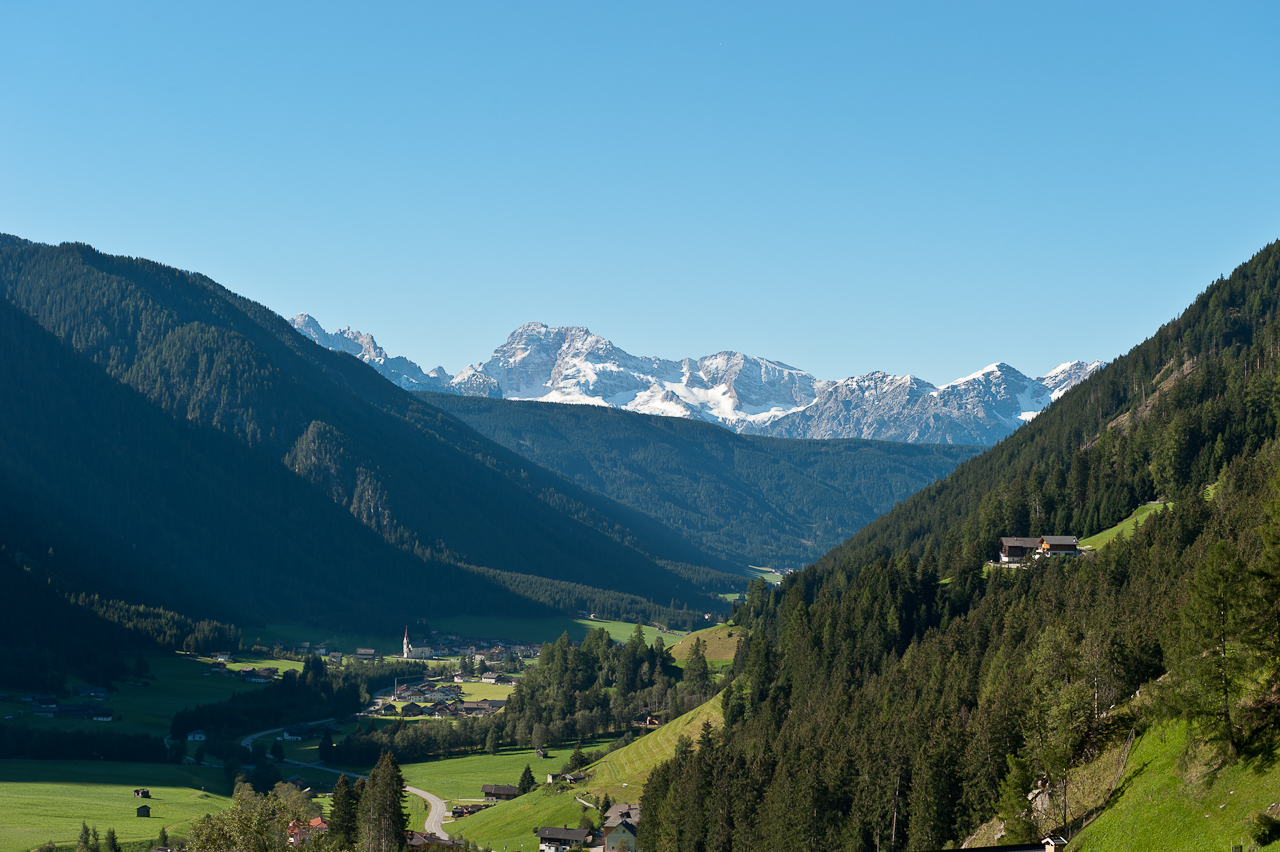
539,630
47,799
179,682
1168,803
510,825
1125,527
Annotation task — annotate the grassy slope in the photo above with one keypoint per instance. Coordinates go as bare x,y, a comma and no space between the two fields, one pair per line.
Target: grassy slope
179,682
1160,807
621,774
1127,526
47,799
721,642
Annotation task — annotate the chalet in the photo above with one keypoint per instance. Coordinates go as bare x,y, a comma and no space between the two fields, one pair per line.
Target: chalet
388,709
553,839
574,777
365,655
501,792
335,657
103,715
411,709
299,832
489,677
98,693
301,647
320,650
196,736
542,752
300,782
621,823
1059,545
144,811
460,811
222,656
76,711
1015,549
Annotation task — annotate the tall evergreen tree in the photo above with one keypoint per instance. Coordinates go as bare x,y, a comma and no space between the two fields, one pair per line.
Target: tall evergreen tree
382,821
342,812
109,841
696,673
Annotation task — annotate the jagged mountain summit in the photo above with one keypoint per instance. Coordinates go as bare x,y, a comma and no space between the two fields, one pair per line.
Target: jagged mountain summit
747,394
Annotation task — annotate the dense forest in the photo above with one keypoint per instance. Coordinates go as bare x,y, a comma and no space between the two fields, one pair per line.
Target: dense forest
899,693
772,502
169,439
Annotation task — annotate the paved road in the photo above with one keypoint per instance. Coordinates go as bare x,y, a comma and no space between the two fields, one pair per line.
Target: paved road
435,819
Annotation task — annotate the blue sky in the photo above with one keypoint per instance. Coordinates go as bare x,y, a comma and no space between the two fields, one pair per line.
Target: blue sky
920,188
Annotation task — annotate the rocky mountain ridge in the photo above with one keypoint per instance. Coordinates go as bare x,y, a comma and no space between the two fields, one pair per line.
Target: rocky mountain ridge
744,393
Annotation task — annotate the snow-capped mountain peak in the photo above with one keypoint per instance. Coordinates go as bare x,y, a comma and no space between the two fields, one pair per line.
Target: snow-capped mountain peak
571,364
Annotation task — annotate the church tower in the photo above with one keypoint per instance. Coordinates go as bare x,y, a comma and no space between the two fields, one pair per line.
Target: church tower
407,646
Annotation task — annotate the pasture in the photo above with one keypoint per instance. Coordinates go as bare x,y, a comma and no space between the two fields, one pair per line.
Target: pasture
539,630
721,641
178,682
47,799
1125,527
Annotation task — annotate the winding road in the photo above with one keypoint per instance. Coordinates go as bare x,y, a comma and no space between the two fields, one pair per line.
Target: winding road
435,816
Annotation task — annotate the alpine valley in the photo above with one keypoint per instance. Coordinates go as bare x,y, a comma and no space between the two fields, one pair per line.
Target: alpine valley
744,393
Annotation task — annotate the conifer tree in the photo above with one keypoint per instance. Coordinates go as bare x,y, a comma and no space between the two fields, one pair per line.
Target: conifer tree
342,813
382,821
82,843
526,780
696,673
109,841
492,742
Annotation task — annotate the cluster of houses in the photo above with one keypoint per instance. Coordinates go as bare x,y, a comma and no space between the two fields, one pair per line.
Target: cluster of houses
1016,548
478,650
52,707
321,649
438,701
620,825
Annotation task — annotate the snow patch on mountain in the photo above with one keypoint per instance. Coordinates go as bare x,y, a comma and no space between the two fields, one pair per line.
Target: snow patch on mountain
571,365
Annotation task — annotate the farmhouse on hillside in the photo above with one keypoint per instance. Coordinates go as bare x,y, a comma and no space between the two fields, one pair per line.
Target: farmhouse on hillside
555,839
621,822
501,792
1018,548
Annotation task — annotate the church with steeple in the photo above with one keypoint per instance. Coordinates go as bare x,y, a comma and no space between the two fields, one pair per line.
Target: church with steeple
412,653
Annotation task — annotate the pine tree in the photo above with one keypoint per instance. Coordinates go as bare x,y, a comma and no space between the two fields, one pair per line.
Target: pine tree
696,673
1211,670
526,780
95,842
163,840
382,820
342,813
109,842
1014,808
82,844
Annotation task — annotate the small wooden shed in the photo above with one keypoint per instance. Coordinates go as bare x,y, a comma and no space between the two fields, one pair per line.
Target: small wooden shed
144,810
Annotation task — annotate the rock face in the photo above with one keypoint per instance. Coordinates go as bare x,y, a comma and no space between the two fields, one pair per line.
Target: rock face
744,393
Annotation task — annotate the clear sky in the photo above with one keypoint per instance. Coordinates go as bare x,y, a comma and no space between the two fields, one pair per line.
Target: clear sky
923,188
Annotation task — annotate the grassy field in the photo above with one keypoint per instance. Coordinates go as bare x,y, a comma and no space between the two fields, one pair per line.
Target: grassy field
460,778
538,630
179,682
771,577
1164,806
621,774
1127,526
721,642
510,825
47,799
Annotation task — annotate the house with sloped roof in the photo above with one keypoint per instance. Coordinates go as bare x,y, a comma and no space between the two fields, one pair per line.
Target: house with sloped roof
553,839
621,825
501,792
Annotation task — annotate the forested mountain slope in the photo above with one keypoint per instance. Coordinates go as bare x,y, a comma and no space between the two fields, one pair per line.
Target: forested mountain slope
773,502
240,375
894,697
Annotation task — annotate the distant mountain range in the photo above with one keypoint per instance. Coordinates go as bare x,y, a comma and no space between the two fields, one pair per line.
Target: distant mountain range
744,393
